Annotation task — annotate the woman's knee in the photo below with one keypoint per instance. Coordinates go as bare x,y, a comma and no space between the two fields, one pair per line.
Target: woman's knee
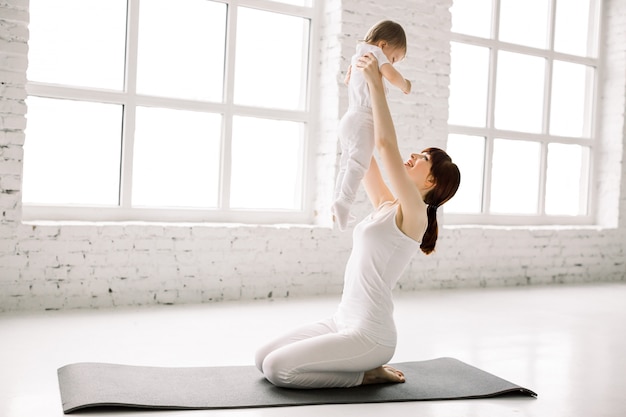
276,370
259,357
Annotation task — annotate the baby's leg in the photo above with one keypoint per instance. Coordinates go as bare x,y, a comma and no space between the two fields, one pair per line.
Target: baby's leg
357,142
341,212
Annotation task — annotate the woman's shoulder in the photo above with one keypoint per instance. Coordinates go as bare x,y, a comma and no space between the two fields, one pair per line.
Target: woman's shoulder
412,221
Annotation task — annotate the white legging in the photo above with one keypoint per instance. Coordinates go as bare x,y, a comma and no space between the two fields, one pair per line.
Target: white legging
319,356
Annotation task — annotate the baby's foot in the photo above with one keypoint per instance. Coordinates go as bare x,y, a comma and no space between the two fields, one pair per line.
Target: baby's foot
341,213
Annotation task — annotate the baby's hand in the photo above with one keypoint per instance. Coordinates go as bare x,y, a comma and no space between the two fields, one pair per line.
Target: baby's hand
407,89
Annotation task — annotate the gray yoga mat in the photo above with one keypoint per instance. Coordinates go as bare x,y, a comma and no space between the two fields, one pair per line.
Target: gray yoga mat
87,385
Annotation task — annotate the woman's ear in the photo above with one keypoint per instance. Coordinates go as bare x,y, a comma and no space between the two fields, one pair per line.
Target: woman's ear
430,182
381,44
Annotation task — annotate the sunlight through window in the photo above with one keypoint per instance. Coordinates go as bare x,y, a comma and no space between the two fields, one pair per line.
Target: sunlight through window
522,103
469,154
176,158
162,110
187,59
94,59
73,151
268,171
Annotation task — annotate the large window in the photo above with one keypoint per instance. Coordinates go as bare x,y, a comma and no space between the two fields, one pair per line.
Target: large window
522,103
161,110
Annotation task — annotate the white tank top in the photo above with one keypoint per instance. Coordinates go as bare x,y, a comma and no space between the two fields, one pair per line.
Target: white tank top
380,254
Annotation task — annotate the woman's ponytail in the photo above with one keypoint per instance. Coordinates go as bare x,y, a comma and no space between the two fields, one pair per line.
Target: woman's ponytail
447,178
432,231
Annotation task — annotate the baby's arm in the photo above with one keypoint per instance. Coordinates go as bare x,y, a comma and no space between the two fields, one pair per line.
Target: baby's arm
394,77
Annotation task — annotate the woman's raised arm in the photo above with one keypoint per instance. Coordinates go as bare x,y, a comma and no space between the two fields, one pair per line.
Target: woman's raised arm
413,208
375,186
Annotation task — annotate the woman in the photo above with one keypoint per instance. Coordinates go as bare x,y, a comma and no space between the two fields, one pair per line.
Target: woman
351,347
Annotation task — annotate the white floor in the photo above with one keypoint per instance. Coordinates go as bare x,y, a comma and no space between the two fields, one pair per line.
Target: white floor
567,343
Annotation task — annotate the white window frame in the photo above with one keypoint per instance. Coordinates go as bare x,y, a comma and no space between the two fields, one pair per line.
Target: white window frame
130,100
489,132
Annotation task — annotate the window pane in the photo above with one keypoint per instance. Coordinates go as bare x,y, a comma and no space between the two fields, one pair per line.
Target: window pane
566,187
468,152
572,27
297,2
186,58
468,85
519,92
570,84
271,77
268,156
472,17
77,42
524,22
72,152
515,177
176,158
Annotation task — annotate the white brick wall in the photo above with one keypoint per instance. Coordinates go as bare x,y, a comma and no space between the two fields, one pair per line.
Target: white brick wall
53,266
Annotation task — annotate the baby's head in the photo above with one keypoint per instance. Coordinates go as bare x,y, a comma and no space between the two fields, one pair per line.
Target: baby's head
390,37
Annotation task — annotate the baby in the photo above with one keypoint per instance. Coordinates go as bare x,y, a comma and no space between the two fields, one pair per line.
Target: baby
386,40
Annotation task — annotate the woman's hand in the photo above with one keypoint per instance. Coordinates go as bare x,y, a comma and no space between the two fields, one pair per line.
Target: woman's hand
369,65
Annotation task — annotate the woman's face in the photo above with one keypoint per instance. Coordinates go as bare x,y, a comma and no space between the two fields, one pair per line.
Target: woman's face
418,167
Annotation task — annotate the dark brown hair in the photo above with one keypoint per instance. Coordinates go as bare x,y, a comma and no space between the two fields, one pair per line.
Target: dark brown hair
389,31
447,178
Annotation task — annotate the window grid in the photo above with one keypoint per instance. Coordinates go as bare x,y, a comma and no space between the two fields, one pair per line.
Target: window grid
130,100
490,133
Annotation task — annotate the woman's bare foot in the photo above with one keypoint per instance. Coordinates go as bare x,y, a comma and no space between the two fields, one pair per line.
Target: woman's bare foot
383,374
